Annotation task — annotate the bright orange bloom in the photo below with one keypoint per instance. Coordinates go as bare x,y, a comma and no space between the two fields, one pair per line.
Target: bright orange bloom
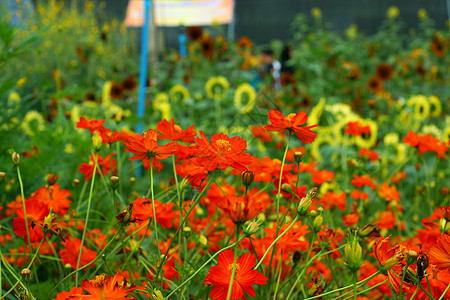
388,193
36,213
72,294
92,124
357,129
115,287
359,195
268,169
426,143
54,197
244,277
363,180
69,254
143,210
240,209
389,257
334,199
292,123
221,153
146,147
260,133
369,154
171,131
440,254
323,176
103,163
398,176
350,219
387,220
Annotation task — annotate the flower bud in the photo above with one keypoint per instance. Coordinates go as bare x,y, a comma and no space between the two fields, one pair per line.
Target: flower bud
16,159
395,260
132,180
411,276
353,254
252,227
97,142
286,187
298,157
411,257
247,177
115,181
76,182
187,231
318,223
156,295
51,179
2,177
203,240
305,202
26,274
369,230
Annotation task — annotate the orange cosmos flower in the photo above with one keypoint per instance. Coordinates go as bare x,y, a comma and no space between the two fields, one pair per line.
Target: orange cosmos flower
440,254
92,124
115,287
54,197
36,213
389,257
103,163
244,277
369,154
240,209
69,254
388,193
361,181
320,177
387,220
170,131
74,293
143,210
146,147
292,123
221,153
356,129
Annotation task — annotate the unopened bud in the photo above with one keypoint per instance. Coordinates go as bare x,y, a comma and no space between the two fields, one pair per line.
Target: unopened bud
252,227
26,274
51,179
2,177
298,157
247,177
132,180
187,231
318,223
305,202
411,276
76,182
203,240
97,142
286,187
156,295
353,254
411,257
16,159
369,230
115,181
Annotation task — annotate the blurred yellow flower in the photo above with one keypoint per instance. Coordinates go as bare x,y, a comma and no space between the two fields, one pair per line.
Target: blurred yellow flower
217,87
316,12
179,94
316,112
351,31
368,141
393,12
245,93
69,148
422,14
391,138
436,106
420,105
21,81
106,93
33,121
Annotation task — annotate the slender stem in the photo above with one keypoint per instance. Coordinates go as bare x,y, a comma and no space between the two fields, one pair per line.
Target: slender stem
233,272
362,292
275,241
204,265
94,173
24,207
36,253
403,279
415,292
355,286
154,210
18,281
429,295
279,267
86,265
443,294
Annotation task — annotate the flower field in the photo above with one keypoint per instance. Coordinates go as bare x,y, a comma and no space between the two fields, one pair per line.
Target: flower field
330,181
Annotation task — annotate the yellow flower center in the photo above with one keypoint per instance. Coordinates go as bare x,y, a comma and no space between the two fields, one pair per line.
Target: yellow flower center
177,128
223,146
290,116
98,281
230,268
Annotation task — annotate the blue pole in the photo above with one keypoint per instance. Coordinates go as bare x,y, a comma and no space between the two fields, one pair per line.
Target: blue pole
143,66
143,71
182,41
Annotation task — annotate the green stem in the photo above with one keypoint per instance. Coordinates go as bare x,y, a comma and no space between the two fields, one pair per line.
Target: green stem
403,279
362,292
443,294
415,292
275,241
85,266
18,281
355,286
429,287
204,265
24,207
87,216
233,272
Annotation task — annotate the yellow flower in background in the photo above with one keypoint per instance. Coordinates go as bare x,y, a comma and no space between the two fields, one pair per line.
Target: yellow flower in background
391,139
33,121
117,112
245,93
402,153
217,87
21,81
368,141
324,137
422,14
14,99
75,114
446,134
393,12
166,111
432,129
69,148
179,94
316,12
316,112
106,93
161,104
351,31
420,105
436,106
